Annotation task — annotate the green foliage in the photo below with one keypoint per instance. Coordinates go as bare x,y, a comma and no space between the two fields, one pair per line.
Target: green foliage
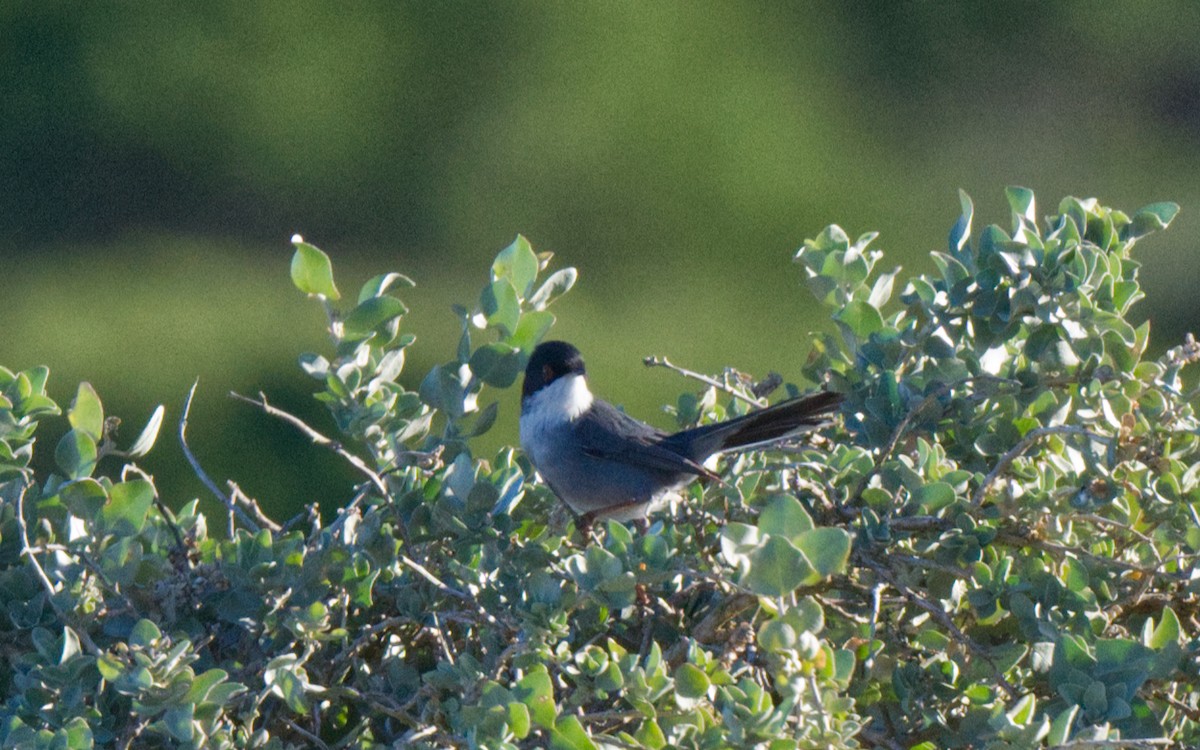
995,547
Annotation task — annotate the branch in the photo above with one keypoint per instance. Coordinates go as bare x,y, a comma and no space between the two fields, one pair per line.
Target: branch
420,570
943,619
664,362
1115,744
203,475
237,495
27,550
1015,452
316,437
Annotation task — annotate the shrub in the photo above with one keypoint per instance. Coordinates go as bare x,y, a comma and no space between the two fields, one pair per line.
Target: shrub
994,547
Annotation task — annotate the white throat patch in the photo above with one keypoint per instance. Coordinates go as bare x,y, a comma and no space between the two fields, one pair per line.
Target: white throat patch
564,400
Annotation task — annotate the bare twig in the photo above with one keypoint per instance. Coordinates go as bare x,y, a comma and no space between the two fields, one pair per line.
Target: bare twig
309,737
1115,744
720,386
706,630
238,496
880,739
316,437
422,571
352,507
200,472
27,550
1015,537
1015,452
894,439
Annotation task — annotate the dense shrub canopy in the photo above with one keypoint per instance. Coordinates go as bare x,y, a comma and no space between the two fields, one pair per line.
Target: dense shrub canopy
994,546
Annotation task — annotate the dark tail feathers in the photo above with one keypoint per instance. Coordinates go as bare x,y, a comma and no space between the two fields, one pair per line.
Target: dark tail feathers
762,426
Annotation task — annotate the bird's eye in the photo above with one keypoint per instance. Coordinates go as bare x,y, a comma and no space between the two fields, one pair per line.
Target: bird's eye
547,374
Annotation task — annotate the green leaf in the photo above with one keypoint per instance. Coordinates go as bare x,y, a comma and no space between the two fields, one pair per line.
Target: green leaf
738,540
178,721
145,634
934,496
518,265
961,232
784,515
569,734
78,734
371,316
1024,712
536,691
87,414
558,284
691,682
110,667
776,568
1151,218
76,454
498,365
518,719
127,507
312,273
482,423
500,306
1021,201
145,441
860,318
84,498
827,549
378,285
203,685
1167,631
777,636
442,390
531,329
650,735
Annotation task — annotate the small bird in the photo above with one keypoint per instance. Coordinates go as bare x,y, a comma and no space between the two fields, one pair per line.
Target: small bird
604,463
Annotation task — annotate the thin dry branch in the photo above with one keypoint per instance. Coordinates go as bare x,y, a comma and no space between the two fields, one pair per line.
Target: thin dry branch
1026,442
27,550
231,506
720,386
316,437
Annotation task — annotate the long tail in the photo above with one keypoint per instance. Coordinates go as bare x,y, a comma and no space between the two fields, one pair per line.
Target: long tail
762,426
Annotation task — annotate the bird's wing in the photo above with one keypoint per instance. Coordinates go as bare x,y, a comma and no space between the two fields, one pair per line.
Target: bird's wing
613,435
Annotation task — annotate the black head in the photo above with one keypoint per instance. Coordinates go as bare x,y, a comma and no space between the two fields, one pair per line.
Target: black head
549,362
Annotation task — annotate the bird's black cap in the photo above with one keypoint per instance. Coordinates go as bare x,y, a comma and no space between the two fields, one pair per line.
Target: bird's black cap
549,362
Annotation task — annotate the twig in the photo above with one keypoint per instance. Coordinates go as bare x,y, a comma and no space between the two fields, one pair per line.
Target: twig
876,603
894,439
316,437
943,619
705,631
664,362
27,550
352,507
880,739
236,493
420,570
307,735
1130,744
1015,452
1011,536
158,503
204,477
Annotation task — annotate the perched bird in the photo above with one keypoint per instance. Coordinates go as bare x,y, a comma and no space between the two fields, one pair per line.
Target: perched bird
604,463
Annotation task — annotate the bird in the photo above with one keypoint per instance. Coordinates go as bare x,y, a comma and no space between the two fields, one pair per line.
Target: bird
604,464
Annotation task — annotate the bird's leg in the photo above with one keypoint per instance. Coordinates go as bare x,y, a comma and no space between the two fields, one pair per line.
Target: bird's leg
584,523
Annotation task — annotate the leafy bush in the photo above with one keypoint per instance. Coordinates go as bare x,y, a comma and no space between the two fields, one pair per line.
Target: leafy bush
994,547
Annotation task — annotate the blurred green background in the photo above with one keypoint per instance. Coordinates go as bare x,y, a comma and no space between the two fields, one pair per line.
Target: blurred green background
156,157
